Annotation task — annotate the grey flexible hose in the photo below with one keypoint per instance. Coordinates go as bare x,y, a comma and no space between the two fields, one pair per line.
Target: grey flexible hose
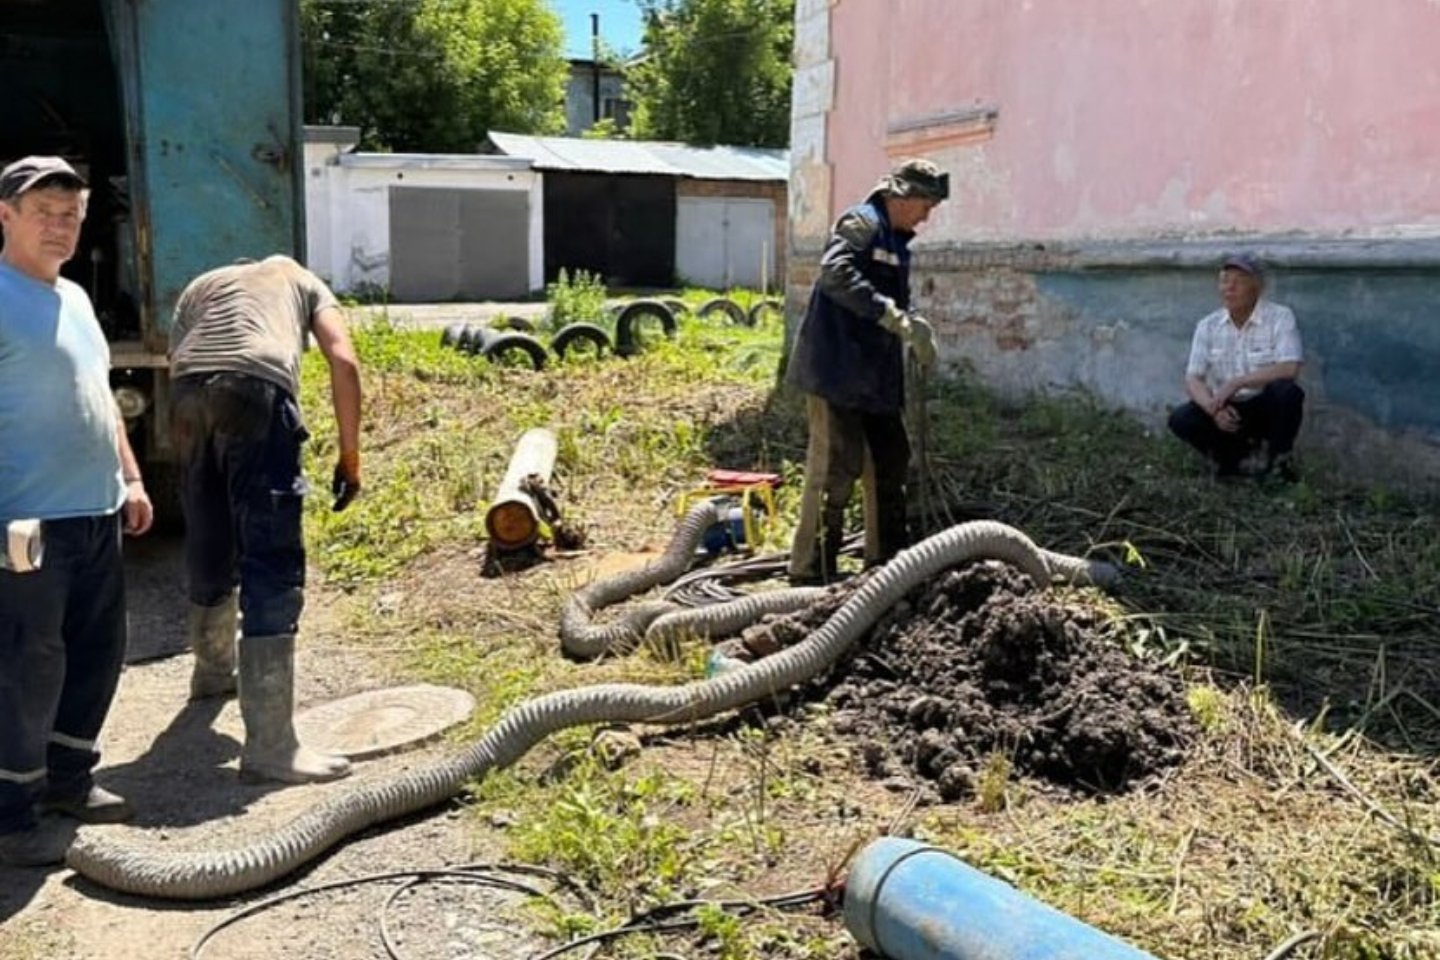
151,870
583,640
722,619
1079,571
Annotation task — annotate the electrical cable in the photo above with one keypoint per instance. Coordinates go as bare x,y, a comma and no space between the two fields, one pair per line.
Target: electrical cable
651,921
658,919
475,873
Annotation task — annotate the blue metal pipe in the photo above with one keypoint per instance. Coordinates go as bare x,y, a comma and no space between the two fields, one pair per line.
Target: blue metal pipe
911,901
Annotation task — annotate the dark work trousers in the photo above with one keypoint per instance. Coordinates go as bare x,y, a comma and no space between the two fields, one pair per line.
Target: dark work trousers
62,645
1271,416
238,439
845,445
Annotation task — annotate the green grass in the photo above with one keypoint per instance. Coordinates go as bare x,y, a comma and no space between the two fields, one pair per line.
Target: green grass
1316,602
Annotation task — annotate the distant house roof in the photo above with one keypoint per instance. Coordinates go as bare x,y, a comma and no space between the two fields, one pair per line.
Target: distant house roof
645,156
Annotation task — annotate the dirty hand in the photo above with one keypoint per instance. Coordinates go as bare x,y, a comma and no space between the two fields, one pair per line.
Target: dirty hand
895,320
346,483
922,341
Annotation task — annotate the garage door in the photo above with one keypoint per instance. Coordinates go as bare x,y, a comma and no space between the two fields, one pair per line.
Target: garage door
450,244
725,242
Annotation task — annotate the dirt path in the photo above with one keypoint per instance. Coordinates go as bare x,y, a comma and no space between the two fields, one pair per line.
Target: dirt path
177,763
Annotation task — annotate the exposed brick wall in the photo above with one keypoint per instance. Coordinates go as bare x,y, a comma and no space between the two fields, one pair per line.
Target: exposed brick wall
751,190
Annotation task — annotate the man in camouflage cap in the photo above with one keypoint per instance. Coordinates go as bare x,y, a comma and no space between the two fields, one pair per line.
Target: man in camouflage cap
849,359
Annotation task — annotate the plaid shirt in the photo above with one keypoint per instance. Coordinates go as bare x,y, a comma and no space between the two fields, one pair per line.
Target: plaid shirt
1220,351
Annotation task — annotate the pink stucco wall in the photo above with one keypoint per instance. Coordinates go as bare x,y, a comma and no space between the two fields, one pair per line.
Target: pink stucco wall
1123,118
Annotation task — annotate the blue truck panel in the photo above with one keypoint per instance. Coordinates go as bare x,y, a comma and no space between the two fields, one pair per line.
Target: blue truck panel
212,120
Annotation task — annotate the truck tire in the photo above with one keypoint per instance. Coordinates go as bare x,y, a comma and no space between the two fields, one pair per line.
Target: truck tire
726,306
582,337
677,306
451,336
469,339
628,341
517,324
499,349
763,308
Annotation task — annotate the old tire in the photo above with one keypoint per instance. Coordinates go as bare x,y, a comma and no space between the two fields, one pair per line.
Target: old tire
637,314
451,336
499,349
470,338
677,306
517,324
582,336
724,305
760,309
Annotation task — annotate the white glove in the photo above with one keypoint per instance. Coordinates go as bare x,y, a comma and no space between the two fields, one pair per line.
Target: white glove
895,320
922,341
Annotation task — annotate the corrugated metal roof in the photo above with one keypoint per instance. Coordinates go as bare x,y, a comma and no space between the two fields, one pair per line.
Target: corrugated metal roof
646,156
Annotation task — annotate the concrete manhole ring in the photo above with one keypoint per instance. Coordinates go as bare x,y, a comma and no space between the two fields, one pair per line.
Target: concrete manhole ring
378,722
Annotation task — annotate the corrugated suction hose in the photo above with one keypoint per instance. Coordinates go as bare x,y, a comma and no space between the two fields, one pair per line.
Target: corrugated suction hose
123,862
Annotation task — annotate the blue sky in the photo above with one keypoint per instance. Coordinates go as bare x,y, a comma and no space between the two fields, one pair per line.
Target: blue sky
619,24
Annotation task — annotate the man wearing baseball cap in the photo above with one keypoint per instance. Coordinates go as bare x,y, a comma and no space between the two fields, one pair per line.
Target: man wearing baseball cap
64,460
1244,359
849,358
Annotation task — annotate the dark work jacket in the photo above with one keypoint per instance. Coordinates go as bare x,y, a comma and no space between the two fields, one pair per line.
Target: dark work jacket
841,352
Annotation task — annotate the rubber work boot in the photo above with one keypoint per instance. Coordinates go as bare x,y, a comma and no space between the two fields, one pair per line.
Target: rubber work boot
97,805
43,845
212,636
267,702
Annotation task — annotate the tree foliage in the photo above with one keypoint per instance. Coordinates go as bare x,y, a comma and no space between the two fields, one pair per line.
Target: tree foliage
433,75
714,71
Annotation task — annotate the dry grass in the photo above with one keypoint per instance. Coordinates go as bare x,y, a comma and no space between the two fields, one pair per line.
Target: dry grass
1304,616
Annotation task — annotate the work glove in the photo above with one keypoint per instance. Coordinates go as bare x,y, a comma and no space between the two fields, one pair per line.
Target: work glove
922,341
894,319
345,485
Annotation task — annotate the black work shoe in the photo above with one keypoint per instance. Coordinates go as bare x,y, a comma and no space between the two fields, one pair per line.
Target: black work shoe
43,845
97,806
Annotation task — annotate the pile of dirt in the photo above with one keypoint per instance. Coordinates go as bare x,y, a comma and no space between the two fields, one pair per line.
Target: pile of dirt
979,662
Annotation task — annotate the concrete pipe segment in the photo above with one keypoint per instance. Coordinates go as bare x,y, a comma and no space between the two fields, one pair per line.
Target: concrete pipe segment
135,866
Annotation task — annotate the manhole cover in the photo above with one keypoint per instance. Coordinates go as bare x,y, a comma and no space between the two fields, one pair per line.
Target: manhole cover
382,721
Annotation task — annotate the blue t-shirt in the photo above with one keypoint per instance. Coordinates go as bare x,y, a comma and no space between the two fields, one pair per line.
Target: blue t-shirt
57,415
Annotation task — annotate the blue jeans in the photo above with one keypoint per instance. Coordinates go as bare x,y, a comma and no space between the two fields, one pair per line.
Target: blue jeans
62,645
238,439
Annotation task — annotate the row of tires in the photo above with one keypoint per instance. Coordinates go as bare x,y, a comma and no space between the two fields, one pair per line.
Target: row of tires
636,323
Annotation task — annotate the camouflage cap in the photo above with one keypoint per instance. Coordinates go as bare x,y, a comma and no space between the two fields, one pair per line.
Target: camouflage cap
916,178
31,172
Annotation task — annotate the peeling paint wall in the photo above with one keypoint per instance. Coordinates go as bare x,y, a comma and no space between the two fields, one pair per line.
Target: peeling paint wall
1105,153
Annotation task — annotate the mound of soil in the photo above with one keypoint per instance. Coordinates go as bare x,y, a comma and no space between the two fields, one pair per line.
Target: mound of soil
979,662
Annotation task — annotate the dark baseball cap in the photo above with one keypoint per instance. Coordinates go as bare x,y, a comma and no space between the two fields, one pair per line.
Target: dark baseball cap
916,178
31,172
1247,262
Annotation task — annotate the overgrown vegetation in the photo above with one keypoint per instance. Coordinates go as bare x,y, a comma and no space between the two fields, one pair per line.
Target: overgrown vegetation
714,71
1303,619
577,298
433,75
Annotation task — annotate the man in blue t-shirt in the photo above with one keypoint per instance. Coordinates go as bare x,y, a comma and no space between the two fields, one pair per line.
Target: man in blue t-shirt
65,461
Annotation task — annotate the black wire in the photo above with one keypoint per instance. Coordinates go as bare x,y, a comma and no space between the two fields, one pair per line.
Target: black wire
469,873
650,922
388,942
